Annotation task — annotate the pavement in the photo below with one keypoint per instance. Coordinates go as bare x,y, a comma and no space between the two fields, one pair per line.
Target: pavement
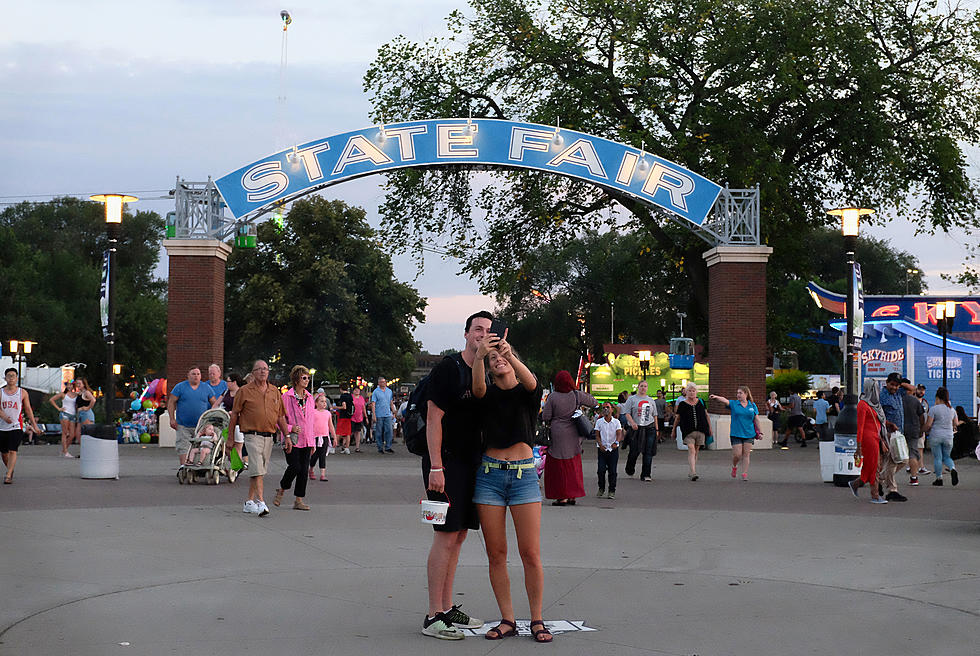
782,564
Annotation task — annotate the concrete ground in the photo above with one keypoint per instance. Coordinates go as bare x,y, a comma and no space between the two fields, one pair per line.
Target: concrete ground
782,564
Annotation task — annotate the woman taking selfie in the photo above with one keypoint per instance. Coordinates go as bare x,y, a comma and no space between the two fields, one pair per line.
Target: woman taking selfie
507,478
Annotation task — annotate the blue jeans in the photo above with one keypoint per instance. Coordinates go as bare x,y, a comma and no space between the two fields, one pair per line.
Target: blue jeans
608,461
382,433
645,442
940,455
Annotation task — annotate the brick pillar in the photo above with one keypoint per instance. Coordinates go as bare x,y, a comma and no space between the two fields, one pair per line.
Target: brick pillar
195,306
737,321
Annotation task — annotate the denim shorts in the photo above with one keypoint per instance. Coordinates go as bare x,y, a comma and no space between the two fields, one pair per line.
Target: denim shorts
502,487
742,440
65,416
86,415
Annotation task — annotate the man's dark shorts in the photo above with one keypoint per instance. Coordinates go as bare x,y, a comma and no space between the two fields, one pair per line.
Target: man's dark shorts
10,440
797,421
460,475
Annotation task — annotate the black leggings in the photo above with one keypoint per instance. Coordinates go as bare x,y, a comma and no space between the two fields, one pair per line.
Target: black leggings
298,461
320,456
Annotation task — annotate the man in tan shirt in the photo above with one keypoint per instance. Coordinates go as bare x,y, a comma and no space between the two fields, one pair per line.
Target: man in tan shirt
259,412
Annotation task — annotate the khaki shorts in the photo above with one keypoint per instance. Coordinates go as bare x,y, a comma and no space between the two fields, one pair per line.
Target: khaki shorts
694,438
259,454
184,435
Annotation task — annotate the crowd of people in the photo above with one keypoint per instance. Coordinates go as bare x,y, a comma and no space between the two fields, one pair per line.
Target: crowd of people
483,408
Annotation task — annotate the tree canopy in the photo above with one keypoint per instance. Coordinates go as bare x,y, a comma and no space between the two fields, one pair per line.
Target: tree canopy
821,104
320,292
52,262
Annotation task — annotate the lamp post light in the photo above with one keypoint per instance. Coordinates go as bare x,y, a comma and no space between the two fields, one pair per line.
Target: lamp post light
19,348
945,313
681,316
909,272
113,220
850,226
644,362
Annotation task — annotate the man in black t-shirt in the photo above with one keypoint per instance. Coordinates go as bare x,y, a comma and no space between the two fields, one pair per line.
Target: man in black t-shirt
449,470
345,406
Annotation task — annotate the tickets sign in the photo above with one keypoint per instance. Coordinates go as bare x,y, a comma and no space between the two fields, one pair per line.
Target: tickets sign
307,167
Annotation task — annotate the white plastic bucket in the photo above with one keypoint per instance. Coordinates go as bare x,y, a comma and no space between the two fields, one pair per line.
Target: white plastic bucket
433,512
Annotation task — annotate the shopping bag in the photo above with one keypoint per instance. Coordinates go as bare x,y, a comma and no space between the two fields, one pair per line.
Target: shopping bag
898,448
236,461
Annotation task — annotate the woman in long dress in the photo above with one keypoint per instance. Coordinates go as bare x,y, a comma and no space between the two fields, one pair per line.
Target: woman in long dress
563,479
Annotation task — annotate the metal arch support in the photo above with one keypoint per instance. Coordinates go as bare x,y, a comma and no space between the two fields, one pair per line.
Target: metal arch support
734,218
199,212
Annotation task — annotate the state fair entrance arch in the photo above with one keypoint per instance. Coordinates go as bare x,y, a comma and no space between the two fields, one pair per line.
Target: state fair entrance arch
728,219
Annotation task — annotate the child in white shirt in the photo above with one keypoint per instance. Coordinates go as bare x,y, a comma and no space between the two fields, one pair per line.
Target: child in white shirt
203,448
608,433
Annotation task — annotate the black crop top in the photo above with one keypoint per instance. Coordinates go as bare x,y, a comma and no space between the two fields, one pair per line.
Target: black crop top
509,417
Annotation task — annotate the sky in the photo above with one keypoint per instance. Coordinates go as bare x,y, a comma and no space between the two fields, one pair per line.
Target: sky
126,96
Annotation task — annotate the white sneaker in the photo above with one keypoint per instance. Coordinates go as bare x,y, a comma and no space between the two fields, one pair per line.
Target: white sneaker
68,455
440,627
251,507
263,509
347,451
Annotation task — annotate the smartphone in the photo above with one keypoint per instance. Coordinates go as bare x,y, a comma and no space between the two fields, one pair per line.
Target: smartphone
498,328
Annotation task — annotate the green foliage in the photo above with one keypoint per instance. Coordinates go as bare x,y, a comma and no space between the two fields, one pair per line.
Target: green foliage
320,291
52,261
558,301
791,309
789,382
819,103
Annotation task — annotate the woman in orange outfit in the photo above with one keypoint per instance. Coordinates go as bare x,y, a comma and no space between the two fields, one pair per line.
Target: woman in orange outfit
871,418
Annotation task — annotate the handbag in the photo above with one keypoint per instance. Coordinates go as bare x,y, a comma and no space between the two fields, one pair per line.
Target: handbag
898,448
543,435
582,424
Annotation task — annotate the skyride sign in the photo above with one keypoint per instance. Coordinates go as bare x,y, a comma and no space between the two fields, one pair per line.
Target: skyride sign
307,167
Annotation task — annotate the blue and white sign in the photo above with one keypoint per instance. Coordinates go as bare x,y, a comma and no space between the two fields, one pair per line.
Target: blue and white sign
104,296
308,167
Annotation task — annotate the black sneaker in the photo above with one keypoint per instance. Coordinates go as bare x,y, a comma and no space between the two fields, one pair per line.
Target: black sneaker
955,476
459,618
440,627
938,482
895,496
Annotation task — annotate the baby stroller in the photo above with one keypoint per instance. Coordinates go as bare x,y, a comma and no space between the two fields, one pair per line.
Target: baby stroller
216,463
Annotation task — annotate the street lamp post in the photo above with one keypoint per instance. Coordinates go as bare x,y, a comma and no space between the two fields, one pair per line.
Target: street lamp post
21,347
644,362
945,312
909,272
850,226
113,220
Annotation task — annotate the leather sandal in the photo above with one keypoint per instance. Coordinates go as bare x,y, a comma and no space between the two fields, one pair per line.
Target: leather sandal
500,635
542,635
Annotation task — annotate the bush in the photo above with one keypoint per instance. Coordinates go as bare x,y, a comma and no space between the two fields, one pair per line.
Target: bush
789,382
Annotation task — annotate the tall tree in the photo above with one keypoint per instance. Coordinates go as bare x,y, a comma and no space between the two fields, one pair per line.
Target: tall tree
320,292
820,103
52,259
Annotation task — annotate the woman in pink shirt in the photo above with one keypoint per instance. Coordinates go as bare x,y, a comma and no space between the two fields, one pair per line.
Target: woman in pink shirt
326,436
301,438
357,418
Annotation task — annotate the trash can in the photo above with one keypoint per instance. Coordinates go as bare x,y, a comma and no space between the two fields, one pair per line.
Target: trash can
100,451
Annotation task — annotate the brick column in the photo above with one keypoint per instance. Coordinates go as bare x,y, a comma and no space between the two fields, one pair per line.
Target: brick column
195,305
737,321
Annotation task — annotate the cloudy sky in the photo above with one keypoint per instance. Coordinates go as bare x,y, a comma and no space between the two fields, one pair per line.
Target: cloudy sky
125,96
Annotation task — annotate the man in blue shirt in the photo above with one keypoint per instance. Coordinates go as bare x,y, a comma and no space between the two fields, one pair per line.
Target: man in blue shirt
820,407
892,402
383,408
187,402
217,384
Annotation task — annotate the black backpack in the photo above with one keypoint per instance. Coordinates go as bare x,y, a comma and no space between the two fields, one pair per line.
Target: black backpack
418,404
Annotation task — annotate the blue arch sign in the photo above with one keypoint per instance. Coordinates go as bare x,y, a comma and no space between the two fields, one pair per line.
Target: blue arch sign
316,164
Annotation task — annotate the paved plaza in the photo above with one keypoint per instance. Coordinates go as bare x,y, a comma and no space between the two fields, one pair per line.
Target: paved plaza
781,565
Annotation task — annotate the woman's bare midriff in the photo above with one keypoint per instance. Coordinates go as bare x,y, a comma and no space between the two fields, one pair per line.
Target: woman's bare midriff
519,451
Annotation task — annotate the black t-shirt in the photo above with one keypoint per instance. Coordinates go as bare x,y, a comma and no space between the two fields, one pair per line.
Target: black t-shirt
451,390
509,417
349,400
